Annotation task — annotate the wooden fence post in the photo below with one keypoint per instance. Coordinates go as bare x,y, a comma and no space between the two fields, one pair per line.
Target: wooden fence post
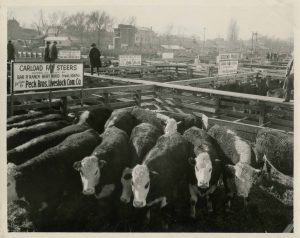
11,111
64,105
261,117
106,98
138,98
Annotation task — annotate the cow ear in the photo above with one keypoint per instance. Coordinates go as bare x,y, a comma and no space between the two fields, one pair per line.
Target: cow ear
230,168
127,176
101,163
77,165
153,173
179,123
257,172
192,161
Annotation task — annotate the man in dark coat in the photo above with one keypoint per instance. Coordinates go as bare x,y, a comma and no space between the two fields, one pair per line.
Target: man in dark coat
53,52
10,51
53,55
47,52
94,56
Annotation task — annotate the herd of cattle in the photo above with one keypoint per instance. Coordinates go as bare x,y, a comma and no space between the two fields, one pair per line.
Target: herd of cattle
128,165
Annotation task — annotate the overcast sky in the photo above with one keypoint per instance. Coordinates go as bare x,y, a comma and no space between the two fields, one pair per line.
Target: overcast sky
268,17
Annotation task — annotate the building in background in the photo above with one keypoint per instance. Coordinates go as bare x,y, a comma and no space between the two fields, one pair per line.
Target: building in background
144,37
62,41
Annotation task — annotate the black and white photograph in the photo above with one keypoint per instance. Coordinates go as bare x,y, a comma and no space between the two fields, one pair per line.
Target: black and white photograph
148,117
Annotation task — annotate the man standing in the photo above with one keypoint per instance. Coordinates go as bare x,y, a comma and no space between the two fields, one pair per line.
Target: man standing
53,55
289,80
94,56
10,51
47,52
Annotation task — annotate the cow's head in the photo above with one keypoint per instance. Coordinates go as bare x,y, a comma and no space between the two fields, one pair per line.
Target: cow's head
89,169
126,185
11,182
140,185
203,168
171,126
245,176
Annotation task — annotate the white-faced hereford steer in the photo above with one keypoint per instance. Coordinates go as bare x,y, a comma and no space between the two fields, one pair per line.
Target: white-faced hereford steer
42,180
143,138
240,173
107,161
207,166
164,167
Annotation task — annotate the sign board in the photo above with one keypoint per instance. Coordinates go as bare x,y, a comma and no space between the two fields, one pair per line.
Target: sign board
69,54
228,67
168,55
37,76
227,63
130,60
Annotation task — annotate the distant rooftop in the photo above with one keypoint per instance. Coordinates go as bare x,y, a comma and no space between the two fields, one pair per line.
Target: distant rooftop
172,47
56,38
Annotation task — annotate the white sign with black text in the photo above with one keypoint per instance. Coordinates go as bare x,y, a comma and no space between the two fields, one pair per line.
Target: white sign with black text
37,76
227,63
130,60
168,55
69,54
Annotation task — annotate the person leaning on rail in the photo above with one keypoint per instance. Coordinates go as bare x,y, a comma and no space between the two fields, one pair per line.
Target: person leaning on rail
289,80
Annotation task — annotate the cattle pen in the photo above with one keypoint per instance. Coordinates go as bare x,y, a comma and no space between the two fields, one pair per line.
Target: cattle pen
245,113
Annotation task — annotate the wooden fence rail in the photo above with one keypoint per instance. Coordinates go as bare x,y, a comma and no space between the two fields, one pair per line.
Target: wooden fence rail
245,111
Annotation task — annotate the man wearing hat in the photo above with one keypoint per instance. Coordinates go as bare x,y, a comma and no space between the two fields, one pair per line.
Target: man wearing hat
47,52
53,51
53,55
94,56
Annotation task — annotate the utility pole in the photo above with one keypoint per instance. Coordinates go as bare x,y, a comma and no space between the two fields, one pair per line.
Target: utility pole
204,37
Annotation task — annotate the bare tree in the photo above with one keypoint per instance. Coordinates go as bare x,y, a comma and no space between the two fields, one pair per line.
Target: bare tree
233,30
131,20
57,21
100,21
168,32
41,24
77,24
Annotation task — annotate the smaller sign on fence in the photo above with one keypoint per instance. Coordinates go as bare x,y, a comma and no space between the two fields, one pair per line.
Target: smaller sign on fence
130,60
69,54
37,76
168,55
228,67
227,63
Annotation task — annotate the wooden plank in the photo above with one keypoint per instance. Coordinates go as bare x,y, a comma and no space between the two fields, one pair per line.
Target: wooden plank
189,106
36,105
235,113
211,102
281,122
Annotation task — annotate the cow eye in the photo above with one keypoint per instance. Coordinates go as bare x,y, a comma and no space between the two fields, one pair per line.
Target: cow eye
96,172
196,168
210,170
147,185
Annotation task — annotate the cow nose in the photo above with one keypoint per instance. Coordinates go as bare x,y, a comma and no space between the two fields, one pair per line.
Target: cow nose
89,191
124,200
203,185
138,204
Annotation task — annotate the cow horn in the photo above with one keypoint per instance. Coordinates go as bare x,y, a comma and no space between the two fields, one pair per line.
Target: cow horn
192,161
102,163
77,165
